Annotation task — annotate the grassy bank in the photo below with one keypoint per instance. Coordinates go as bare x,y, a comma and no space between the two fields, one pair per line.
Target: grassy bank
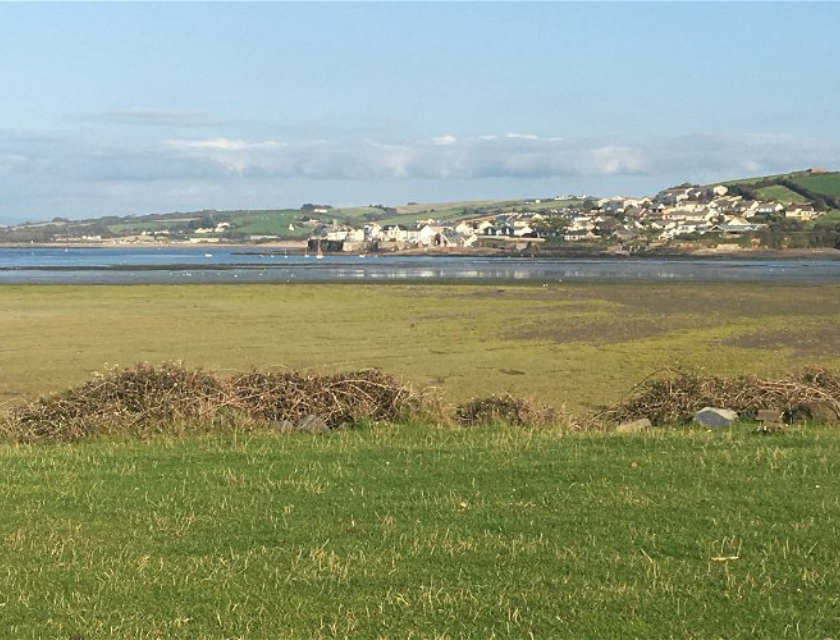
428,531
567,344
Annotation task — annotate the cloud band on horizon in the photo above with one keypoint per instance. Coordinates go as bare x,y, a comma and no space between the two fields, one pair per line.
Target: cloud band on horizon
67,157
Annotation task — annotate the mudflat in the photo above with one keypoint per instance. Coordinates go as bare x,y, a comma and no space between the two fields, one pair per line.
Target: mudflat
572,345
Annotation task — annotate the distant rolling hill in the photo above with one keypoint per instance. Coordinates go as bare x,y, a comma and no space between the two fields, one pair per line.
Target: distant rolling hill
818,187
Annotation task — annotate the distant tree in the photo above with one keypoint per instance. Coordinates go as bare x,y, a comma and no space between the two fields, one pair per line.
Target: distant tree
309,207
553,227
742,190
205,222
607,227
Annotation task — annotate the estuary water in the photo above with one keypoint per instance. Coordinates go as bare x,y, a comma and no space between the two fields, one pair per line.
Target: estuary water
117,265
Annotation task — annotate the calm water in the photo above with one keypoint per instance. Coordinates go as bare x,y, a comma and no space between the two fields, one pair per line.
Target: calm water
188,264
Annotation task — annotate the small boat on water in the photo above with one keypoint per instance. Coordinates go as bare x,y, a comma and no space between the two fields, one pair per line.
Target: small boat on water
208,255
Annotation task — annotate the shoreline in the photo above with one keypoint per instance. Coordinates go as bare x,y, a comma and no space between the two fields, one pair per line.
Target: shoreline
604,253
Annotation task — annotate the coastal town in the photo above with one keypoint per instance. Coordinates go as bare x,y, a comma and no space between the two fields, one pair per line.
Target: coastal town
775,212
685,212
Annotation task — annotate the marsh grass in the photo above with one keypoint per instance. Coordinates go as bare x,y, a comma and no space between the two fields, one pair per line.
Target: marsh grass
578,345
424,531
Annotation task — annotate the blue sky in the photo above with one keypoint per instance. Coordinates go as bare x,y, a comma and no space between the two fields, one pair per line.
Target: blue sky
119,108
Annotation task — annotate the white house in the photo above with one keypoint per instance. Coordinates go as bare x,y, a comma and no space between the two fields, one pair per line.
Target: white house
578,235
372,231
394,233
768,207
737,225
521,232
799,211
672,196
464,229
432,236
355,235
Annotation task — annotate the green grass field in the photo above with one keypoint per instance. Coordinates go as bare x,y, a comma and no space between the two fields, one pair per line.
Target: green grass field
422,531
572,345
146,225
271,223
826,184
778,193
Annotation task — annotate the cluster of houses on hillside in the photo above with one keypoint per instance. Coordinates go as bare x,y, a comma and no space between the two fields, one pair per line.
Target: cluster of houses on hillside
429,233
672,213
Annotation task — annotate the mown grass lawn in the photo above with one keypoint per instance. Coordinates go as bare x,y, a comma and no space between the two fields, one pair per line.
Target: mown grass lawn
425,531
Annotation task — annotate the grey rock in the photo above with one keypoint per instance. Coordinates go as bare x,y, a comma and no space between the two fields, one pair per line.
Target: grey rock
822,412
715,418
310,423
769,416
284,426
634,426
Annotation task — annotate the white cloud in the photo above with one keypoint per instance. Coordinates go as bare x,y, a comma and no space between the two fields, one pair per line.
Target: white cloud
616,159
232,156
446,157
33,164
223,144
442,140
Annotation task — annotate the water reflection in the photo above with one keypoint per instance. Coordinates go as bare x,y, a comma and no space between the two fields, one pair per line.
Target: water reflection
116,266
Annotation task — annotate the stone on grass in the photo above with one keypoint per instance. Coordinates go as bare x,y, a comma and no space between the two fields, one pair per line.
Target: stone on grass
283,426
310,423
769,416
715,418
772,421
822,412
634,426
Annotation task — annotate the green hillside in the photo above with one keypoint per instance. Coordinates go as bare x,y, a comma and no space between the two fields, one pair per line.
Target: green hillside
826,184
271,222
778,193
820,188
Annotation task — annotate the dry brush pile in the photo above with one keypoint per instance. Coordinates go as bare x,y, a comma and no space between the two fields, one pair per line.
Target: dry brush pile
147,399
675,395
171,398
507,409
